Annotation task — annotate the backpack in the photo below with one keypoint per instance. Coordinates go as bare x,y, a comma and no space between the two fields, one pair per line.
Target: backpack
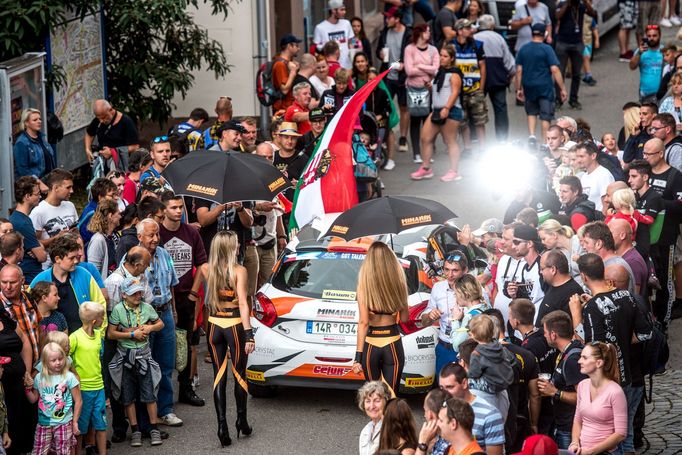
612,165
365,169
655,351
265,87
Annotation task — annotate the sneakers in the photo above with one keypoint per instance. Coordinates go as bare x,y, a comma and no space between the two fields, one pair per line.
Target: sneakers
665,22
422,173
156,437
532,143
402,144
136,439
626,57
171,420
589,80
451,176
675,20
575,105
389,166
417,159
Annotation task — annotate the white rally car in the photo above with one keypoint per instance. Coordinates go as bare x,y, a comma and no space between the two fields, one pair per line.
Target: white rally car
305,318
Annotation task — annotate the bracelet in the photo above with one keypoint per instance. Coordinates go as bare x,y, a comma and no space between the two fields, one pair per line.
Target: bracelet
282,237
248,334
358,356
132,334
423,447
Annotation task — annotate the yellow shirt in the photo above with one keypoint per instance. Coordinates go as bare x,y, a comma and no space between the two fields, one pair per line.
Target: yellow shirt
86,351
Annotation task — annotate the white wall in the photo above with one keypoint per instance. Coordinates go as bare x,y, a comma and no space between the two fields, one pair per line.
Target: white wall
238,35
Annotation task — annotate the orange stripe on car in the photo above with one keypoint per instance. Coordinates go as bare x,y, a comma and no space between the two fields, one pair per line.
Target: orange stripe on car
284,305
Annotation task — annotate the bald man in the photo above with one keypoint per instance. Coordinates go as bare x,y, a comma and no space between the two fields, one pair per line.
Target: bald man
17,305
223,109
606,199
622,238
111,128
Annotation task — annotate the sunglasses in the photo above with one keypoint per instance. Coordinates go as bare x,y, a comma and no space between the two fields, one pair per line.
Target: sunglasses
453,257
518,242
158,139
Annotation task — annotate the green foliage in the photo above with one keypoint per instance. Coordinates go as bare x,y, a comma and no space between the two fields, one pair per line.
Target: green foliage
152,46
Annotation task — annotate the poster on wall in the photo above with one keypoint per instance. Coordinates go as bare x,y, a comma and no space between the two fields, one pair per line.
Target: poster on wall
25,91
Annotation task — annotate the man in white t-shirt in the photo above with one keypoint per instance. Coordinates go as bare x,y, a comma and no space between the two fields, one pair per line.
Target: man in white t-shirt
335,28
55,214
509,270
528,13
596,178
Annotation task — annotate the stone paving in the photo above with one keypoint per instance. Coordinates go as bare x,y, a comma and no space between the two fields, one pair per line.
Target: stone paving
663,427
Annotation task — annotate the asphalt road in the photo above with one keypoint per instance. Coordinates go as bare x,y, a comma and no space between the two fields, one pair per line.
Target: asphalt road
299,421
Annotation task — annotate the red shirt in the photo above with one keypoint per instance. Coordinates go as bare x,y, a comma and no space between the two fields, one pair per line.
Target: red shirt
303,127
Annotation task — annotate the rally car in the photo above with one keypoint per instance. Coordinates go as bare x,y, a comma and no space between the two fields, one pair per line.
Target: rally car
305,318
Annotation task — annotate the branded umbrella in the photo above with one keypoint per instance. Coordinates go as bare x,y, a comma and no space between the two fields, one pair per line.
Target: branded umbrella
225,177
388,215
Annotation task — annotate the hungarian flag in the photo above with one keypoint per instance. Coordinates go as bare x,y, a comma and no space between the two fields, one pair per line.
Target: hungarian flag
327,184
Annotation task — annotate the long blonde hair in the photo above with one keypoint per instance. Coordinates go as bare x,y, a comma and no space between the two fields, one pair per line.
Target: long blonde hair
624,201
45,375
221,263
100,219
630,120
554,227
381,282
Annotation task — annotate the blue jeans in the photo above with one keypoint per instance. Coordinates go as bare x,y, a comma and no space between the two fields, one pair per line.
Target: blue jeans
163,351
443,357
633,394
562,438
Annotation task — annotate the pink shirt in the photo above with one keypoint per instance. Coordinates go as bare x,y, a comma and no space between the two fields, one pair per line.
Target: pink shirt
418,77
606,415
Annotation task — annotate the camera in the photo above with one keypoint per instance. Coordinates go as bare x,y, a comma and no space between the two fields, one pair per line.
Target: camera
523,289
433,269
260,220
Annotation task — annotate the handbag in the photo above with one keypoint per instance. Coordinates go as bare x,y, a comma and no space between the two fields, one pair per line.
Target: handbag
436,118
181,349
418,101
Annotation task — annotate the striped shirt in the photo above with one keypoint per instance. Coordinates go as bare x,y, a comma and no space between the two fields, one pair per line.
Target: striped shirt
488,424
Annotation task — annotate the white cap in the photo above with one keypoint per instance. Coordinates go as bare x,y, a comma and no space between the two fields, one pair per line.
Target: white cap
334,4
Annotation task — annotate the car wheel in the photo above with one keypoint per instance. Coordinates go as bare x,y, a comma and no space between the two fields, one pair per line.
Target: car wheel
262,391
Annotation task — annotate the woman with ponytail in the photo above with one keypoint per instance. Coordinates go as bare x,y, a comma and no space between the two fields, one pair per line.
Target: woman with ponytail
601,413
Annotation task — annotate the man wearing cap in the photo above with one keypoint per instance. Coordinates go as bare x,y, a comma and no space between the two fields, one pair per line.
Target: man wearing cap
537,68
490,229
335,28
526,243
284,70
299,112
471,62
230,137
223,110
307,142
441,302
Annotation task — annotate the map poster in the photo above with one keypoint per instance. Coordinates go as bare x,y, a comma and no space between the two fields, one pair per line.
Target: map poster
77,48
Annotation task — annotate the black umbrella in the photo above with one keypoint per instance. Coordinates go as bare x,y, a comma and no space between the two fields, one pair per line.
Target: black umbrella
388,215
225,177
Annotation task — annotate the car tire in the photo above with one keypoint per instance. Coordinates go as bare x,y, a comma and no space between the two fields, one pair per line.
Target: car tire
262,391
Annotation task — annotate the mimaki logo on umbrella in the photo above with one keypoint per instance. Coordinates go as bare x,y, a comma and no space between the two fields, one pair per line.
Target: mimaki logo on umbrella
415,220
276,184
202,189
339,229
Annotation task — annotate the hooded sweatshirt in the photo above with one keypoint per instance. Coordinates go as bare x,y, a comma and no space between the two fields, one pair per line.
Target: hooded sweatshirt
490,368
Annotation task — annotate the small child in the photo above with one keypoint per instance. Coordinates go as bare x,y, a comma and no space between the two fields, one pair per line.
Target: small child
490,367
46,298
623,202
58,395
62,339
86,348
563,170
590,41
133,371
470,302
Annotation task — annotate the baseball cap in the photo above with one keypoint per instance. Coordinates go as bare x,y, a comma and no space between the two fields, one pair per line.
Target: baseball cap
232,125
489,226
151,184
539,444
462,23
393,11
528,233
288,39
538,29
317,114
288,129
131,285
334,4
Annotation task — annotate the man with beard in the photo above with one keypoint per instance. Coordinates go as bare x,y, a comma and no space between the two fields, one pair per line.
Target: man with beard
508,270
649,59
574,204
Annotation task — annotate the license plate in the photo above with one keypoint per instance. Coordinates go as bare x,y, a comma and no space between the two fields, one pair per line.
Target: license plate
331,328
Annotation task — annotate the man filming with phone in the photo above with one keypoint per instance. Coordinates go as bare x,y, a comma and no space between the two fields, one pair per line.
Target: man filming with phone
649,59
634,147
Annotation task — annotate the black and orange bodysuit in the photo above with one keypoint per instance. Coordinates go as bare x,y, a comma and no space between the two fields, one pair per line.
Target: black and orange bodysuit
383,357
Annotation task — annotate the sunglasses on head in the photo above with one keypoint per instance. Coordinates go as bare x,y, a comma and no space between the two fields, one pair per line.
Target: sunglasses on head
158,139
453,257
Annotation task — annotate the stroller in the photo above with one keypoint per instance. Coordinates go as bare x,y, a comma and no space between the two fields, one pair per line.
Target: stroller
377,147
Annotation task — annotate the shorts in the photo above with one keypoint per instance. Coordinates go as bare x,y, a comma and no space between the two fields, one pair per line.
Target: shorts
93,412
628,11
456,114
475,108
58,439
397,88
649,13
542,107
587,50
136,386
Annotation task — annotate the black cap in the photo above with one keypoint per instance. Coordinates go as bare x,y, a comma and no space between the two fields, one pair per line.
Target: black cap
528,233
538,29
288,39
232,125
317,114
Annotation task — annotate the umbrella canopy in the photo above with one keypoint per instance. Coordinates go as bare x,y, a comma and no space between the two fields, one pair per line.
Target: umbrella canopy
225,177
388,215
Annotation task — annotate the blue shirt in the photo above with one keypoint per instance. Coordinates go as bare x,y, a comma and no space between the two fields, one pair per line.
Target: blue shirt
650,70
86,216
55,406
488,424
536,61
23,225
161,277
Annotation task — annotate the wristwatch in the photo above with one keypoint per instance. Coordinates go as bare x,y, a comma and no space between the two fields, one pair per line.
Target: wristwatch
423,447
557,395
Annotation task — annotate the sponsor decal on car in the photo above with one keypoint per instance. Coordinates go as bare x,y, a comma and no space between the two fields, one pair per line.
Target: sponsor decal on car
419,382
420,358
335,313
425,341
334,294
265,352
331,370
255,375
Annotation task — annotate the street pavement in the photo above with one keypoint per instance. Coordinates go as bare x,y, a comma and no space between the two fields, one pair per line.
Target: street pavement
301,421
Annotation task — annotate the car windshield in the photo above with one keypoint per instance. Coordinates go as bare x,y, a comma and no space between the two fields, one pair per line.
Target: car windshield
327,275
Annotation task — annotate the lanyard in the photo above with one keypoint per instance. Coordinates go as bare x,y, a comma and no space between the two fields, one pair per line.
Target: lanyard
136,311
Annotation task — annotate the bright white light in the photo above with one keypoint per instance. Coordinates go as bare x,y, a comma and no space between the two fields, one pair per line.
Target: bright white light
507,168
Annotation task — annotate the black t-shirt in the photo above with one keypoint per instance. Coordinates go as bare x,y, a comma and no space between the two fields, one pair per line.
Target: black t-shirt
529,372
651,204
668,185
610,317
292,167
68,304
444,18
556,298
565,378
227,221
544,354
571,24
114,135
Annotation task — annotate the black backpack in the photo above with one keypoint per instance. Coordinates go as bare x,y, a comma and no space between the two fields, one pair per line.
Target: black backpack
612,165
655,351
